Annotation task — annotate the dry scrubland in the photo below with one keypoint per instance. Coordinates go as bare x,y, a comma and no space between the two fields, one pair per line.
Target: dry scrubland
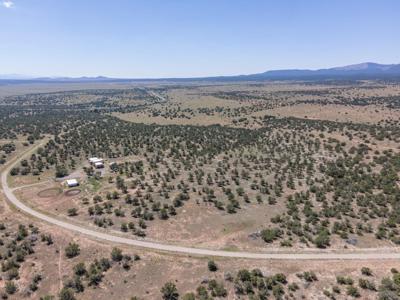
240,166
144,273
225,104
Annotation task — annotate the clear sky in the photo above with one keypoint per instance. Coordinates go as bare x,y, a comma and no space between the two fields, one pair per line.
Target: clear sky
183,38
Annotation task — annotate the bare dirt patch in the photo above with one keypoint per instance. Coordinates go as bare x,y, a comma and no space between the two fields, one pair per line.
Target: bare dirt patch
73,192
48,193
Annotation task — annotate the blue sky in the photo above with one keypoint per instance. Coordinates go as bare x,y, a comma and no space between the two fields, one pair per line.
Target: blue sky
184,38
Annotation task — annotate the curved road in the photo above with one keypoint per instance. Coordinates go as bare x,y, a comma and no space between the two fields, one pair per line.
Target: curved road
368,254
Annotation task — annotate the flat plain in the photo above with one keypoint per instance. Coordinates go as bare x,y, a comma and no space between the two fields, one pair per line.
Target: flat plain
246,166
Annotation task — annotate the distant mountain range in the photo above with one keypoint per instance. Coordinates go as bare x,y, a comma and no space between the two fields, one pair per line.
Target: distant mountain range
368,70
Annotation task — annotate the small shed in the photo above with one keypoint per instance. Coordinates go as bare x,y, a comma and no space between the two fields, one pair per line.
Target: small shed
99,165
72,182
94,160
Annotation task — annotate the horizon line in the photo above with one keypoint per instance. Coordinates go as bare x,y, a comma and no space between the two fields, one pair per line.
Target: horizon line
18,76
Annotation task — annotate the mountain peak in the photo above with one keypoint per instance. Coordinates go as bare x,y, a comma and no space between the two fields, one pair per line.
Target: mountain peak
362,70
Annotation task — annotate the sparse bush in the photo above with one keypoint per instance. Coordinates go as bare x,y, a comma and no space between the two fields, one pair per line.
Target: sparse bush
169,291
116,254
212,266
353,291
72,250
10,287
67,294
366,271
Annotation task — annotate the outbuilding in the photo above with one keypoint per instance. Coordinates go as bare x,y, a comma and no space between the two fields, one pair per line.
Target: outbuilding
94,160
99,165
72,182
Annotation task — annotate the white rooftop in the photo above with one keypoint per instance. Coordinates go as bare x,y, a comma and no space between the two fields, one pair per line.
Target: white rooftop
95,160
72,181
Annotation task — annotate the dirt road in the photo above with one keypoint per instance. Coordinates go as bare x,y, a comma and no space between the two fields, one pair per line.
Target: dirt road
313,254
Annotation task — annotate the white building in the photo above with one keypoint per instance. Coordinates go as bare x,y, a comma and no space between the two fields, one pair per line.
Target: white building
94,160
72,182
99,165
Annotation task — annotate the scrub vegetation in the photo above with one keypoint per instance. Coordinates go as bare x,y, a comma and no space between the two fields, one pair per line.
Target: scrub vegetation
223,166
